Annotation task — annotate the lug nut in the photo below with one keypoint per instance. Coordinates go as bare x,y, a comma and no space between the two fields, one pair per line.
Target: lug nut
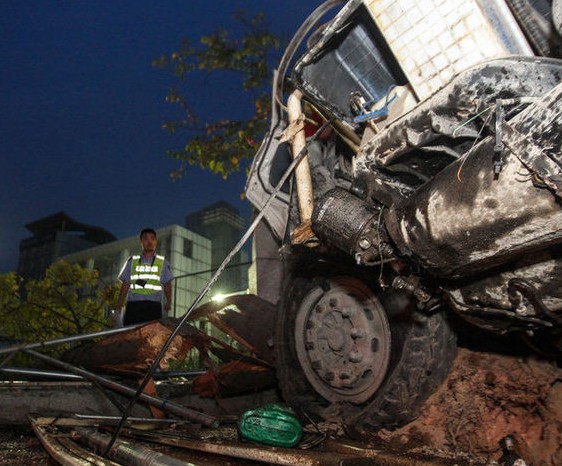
357,333
355,356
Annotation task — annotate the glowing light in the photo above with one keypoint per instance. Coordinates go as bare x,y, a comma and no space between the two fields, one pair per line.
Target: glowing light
217,298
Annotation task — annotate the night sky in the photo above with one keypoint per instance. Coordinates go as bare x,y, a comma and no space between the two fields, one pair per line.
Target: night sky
82,108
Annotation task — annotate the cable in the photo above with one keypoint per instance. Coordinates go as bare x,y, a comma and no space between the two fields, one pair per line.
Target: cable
210,283
475,139
383,111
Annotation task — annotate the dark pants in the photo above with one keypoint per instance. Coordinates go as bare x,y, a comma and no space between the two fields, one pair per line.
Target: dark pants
137,312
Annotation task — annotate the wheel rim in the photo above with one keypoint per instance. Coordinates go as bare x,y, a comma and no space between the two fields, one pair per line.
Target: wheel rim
342,340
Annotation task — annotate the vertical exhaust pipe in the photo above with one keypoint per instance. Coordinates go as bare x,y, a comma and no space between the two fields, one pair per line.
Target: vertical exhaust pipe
302,170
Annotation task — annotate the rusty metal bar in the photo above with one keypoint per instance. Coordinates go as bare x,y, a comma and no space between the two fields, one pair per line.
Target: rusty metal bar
164,405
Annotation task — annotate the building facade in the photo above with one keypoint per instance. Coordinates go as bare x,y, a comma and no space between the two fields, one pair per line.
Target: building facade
223,225
53,237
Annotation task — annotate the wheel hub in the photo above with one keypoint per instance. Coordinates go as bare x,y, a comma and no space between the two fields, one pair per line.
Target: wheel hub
343,340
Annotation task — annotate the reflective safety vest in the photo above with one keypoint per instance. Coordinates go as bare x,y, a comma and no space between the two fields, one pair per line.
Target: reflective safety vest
145,278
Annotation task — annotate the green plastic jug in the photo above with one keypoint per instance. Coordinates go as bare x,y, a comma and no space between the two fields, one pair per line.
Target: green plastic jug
273,424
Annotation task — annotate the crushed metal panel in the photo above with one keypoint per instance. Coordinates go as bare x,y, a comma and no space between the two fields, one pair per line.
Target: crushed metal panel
133,352
246,318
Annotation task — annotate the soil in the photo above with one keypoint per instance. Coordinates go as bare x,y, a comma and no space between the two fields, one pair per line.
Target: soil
486,398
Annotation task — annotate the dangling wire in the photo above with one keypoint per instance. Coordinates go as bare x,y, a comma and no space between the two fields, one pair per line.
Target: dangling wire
497,105
472,119
477,136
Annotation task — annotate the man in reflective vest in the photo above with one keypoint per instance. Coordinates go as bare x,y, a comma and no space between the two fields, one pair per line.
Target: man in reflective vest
143,278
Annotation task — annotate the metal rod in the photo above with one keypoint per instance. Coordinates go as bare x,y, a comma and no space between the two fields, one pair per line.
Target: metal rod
165,405
125,452
40,373
84,420
151,420
85,336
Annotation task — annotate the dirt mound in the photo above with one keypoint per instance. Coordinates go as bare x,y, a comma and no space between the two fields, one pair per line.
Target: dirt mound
486,398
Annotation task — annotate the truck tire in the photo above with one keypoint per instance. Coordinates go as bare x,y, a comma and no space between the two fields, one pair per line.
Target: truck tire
344,355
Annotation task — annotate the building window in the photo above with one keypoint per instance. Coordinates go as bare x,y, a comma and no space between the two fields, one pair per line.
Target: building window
188,248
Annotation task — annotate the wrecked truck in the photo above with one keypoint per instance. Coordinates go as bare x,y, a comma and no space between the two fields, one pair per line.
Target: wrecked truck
430,190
